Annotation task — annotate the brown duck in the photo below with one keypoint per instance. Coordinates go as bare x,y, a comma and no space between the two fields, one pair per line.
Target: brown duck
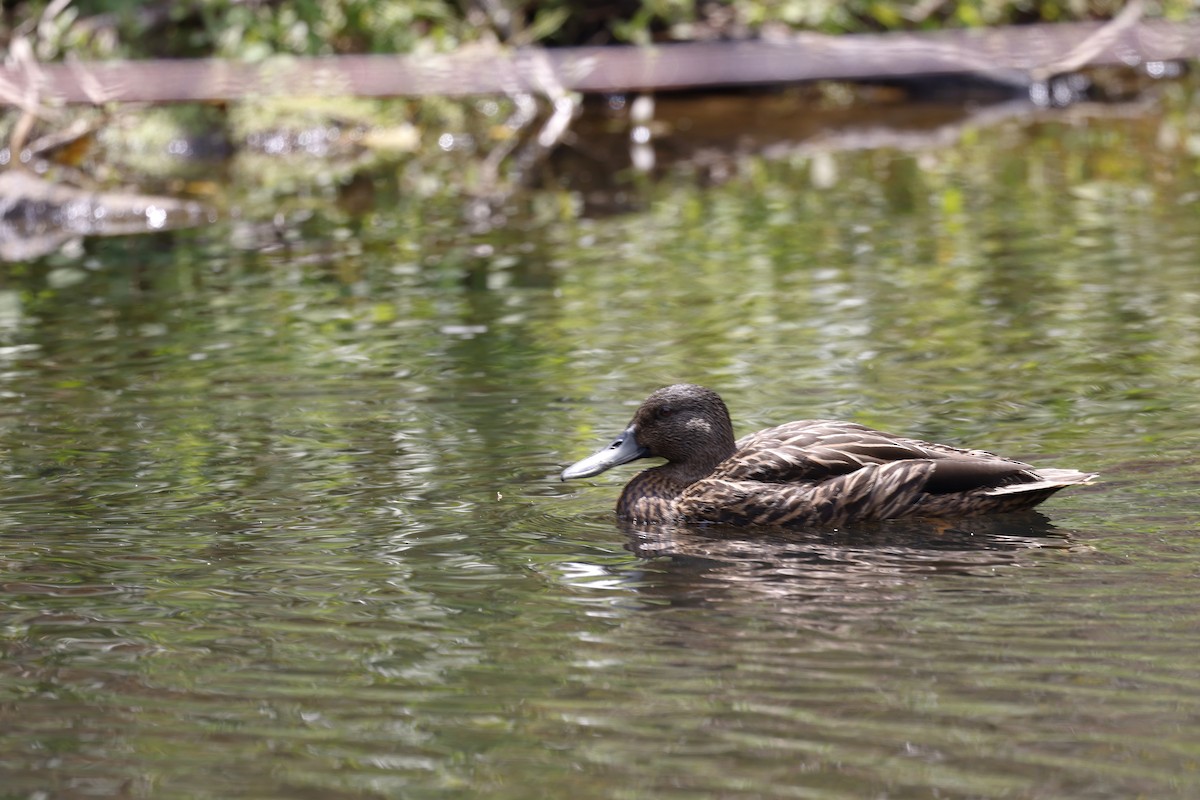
804,473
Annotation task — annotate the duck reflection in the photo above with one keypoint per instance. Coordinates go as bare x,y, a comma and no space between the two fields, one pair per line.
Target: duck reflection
703,563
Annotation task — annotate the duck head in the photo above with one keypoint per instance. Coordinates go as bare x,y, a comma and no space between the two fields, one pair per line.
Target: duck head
686,424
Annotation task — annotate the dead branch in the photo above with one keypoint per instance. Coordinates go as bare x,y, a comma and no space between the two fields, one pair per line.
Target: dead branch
1009,54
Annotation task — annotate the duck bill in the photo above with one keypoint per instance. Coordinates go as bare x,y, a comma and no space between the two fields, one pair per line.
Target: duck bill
624,449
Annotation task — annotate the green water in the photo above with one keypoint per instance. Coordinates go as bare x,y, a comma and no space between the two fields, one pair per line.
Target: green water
283,520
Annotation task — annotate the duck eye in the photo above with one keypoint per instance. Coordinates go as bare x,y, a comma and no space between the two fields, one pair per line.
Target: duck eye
665,411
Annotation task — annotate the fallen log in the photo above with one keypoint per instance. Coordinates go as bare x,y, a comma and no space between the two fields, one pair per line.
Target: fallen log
37,216
1008,54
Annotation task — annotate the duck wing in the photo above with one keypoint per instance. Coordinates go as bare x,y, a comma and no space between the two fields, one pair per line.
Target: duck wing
816,450
828,472
872,492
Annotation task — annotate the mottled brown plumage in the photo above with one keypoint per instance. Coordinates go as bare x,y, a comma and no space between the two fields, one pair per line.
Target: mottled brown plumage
805,473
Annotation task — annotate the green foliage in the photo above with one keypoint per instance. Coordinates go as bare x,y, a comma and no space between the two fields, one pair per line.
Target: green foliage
109,28
255,30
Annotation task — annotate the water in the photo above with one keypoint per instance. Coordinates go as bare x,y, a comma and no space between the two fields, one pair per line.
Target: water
285,521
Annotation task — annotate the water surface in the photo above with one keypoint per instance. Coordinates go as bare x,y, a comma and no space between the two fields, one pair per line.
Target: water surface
284,521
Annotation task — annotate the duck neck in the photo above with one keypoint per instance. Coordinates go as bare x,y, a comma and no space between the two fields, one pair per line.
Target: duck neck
685,473
651,495
701,465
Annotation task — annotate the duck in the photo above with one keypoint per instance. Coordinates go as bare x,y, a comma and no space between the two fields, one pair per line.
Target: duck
807,473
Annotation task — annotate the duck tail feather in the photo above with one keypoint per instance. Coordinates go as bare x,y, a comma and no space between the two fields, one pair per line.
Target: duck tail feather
1046,479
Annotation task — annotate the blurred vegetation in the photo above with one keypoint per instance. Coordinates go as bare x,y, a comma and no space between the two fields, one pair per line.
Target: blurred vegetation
253,29
294,152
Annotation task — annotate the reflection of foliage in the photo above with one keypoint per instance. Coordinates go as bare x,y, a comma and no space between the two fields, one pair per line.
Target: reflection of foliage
483,147
1025,283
